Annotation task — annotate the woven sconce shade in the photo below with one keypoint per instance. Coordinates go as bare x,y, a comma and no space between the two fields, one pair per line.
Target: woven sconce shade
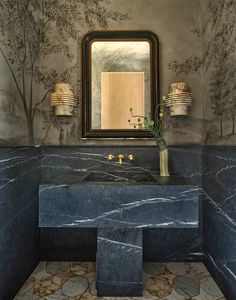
63,99
179,99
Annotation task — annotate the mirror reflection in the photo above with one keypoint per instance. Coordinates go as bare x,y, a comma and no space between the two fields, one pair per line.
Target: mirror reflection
120,79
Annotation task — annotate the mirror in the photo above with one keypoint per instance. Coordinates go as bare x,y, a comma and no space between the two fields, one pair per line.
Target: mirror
120,71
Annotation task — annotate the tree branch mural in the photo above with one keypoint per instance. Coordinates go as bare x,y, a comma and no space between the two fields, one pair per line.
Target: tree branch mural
33,31
218,34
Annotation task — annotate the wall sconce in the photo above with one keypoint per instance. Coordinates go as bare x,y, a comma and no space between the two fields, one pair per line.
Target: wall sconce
63,99
179,99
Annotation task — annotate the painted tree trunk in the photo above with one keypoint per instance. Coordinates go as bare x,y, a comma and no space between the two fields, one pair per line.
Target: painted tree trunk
221,127
233,124
30,129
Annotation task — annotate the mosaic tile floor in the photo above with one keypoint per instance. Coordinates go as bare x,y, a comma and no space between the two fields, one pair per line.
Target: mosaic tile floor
76,281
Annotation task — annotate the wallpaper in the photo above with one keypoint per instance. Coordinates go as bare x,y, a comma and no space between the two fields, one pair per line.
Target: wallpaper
40,43
219,67
217,62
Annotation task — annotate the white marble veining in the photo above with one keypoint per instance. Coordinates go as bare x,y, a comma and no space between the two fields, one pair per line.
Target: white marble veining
119,243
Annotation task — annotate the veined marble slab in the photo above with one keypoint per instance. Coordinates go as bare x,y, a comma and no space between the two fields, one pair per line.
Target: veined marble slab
119,205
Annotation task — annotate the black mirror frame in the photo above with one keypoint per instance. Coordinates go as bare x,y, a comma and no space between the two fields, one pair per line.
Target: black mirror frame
87,131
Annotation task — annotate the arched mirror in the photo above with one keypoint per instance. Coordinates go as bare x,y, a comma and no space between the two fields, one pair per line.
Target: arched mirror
120,71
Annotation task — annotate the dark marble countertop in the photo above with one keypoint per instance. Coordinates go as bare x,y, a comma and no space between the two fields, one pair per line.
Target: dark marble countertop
70,201
72,178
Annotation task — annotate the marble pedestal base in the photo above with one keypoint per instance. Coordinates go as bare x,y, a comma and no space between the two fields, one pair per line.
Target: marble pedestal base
119,262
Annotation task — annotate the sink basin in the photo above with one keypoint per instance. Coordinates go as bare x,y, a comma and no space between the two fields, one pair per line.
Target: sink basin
120,176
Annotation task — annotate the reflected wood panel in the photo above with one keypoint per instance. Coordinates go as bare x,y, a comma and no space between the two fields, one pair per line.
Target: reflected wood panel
119,92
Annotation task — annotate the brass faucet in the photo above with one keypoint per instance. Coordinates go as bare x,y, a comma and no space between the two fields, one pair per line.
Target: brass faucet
121,158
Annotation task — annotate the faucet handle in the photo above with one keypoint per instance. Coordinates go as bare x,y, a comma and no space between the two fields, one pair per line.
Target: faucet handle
110,157
131,157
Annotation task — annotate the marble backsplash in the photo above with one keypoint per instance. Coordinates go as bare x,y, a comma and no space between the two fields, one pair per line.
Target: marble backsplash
56,160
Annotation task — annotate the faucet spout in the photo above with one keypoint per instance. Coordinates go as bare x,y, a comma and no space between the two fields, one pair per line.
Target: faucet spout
120,158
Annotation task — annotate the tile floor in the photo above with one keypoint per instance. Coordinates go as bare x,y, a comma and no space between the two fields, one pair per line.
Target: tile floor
76,281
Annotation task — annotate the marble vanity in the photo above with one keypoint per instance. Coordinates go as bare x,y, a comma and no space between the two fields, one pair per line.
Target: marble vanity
120,205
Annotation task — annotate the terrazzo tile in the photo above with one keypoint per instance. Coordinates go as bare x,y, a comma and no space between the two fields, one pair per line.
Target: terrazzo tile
81,268
210,286
77,281
174,296
58,295
178,268
118,298
27,290
197,267
159,286
75,286
92,288
47,286
198,270
154,268
186,286
146,296
40,271
55,267
205,296
90,276
87,296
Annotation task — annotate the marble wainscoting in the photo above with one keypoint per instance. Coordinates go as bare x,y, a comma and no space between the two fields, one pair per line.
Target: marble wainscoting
19,232
159,244
219,216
